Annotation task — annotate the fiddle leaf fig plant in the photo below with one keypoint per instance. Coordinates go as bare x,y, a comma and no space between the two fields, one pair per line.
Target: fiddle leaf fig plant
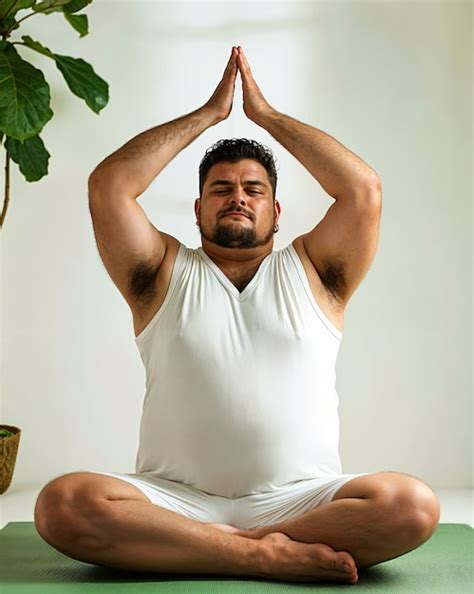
24,93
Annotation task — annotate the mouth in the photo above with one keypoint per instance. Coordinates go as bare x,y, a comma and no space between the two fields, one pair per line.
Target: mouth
236,214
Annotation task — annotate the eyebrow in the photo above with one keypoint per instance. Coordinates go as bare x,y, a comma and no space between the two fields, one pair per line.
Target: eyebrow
228,182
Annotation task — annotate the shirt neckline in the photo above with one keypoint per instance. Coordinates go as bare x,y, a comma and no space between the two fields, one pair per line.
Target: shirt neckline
231,288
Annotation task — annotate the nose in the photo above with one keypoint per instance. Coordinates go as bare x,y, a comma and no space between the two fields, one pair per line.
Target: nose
236,200
237,195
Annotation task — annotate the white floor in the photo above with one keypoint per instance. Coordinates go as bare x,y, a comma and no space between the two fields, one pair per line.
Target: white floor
18,502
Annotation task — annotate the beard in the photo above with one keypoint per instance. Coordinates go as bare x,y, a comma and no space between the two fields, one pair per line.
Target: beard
236,235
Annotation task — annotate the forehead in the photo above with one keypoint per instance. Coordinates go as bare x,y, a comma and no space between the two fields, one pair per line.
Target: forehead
246,168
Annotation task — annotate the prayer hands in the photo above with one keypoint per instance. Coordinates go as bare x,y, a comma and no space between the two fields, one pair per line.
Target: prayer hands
254,103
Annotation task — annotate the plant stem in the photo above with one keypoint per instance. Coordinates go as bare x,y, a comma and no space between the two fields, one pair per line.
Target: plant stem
7,190
29,15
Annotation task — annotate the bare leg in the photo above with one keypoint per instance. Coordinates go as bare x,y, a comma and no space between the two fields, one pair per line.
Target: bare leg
372,525
139,536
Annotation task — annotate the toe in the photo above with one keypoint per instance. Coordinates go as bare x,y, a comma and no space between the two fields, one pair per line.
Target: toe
347,561
342,562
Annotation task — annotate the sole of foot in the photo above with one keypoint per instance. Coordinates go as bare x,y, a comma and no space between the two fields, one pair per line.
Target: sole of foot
292,560
297,561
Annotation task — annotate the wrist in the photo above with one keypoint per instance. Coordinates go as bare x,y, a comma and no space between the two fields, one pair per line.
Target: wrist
210,115
264,116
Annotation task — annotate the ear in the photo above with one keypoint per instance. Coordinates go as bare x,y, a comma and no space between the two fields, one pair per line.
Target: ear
277,209
197,207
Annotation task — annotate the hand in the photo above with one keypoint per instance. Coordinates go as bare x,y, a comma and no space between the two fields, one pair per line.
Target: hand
255,104
220,103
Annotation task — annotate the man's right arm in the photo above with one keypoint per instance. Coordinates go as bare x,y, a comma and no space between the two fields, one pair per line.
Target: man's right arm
131,169
131,247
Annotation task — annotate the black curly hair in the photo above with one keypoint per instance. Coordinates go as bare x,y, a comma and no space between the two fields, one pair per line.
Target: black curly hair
235,149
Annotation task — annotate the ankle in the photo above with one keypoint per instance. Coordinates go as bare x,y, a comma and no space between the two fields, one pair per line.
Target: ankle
269,553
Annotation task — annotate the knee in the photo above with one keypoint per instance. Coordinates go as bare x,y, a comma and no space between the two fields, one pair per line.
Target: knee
51,513
415,510
59,513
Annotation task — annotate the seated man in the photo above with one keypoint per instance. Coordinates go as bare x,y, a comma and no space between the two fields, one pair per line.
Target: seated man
237,471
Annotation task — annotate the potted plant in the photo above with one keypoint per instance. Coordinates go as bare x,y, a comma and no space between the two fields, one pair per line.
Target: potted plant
9,441
25,110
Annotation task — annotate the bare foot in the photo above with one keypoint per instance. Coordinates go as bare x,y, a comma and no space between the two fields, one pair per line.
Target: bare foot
290,560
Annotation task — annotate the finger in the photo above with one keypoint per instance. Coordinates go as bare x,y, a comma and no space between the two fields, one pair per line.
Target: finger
242,54
234,54
232,63
231,67
232,71
243,63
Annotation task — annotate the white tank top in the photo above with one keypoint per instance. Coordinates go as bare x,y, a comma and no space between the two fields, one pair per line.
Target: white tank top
240,387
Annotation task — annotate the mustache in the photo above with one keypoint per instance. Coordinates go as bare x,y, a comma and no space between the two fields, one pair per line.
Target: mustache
238,211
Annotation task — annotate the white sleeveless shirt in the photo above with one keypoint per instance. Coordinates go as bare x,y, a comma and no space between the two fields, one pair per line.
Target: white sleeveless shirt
240,387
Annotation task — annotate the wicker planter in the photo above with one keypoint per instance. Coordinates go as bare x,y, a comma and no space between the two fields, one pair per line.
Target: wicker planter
8,452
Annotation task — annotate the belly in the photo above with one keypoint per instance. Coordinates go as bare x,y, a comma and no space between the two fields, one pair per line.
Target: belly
244,445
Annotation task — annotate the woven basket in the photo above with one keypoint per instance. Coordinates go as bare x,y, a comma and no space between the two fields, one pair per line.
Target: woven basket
8,452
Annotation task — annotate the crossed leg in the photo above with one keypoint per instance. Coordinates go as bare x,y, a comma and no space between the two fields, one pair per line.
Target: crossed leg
375,518
106,521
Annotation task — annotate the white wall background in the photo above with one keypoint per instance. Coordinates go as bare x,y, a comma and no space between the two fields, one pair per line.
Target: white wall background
391,81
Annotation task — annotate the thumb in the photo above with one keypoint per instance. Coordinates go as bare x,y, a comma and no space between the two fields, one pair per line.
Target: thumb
231,68
244,66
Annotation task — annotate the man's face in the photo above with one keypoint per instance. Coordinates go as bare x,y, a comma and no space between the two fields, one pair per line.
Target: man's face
244,187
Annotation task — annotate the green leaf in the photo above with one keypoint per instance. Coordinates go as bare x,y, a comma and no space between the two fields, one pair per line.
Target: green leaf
76,5
83,81
36,45
11,7
31,155
49,6
24,95
79,22
79,76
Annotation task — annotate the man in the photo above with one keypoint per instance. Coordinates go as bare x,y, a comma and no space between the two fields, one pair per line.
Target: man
237,470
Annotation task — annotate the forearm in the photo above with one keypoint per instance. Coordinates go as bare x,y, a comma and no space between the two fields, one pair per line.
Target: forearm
135,165
336,168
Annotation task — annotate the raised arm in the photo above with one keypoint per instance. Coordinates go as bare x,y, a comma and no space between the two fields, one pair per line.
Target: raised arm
342,245
335,167
135,165
131,247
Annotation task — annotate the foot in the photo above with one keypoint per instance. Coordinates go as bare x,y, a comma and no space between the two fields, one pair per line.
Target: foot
290,560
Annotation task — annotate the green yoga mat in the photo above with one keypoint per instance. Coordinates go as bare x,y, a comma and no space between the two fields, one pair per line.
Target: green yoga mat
443,564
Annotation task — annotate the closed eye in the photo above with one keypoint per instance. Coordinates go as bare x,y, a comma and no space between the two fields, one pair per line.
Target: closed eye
249,191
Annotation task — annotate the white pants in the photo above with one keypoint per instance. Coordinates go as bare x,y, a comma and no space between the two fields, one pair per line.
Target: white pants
246,512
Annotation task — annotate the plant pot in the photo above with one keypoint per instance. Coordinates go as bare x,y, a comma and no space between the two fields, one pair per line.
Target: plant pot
8,452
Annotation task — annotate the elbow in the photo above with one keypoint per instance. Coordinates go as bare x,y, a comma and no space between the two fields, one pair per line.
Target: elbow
96,175
375,183
374,192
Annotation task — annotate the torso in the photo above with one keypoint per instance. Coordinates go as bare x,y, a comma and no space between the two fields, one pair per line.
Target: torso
240,279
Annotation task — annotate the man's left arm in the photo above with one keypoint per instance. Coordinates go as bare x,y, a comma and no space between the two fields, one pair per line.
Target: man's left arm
342,245
341,173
